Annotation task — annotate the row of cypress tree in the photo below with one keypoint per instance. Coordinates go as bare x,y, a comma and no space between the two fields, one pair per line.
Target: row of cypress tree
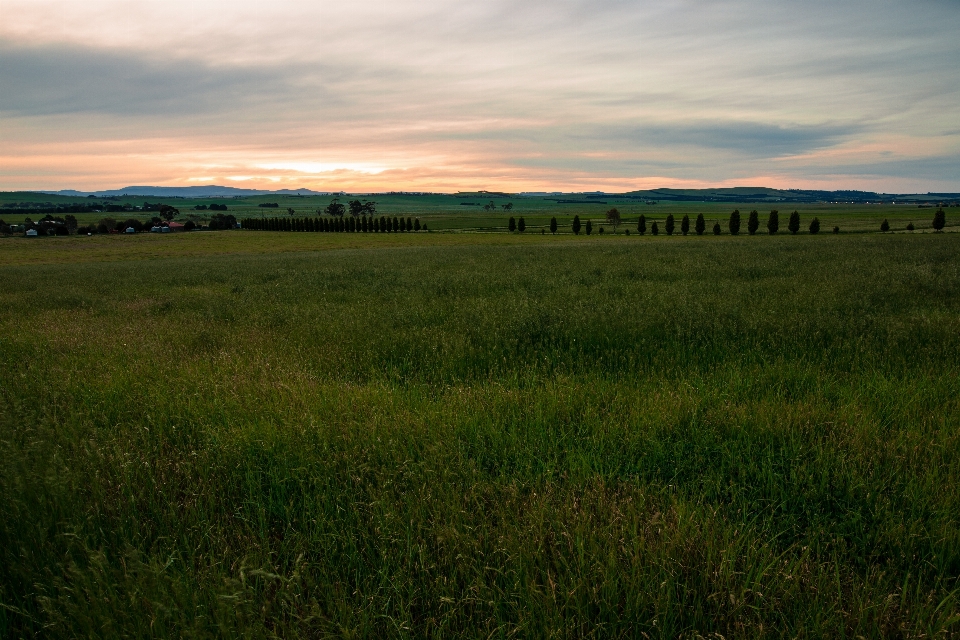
753,223
336,224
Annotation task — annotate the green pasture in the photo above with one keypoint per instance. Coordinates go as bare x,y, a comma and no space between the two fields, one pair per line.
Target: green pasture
490,435
464,212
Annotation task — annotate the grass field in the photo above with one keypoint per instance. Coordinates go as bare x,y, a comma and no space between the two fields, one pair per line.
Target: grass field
480,435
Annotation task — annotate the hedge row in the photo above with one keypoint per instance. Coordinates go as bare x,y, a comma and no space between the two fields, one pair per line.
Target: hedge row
336,224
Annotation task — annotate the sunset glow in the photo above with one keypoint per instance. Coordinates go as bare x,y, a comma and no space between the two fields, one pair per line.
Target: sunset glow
444,96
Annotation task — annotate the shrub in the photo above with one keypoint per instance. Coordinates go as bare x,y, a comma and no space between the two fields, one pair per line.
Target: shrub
416,224
716,229
669,224
654,229
576,225
600,231
685,225
589,228
553,225
939,220
521,225
884,226
836,230
734,224
642,224
794,224
753,222
512,224
189,226
815,226
910,226
701,225
773,222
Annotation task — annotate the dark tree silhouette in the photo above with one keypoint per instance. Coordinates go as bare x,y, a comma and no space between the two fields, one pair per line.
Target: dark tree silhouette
335,208
642,224
939,220
716,229
685,225
815,226
589,228
613,217
753,222
701,225
576,225
794,224
356,207
553,225
512,224
773,222
654,229
734,224
669,225
521,225
836,230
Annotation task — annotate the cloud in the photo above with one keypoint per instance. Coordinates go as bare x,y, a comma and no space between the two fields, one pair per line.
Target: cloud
522,92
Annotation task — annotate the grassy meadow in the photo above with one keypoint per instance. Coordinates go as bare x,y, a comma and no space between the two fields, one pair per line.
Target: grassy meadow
254,434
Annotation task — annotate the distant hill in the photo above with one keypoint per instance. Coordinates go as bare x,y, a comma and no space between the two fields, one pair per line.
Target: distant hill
733,194
206,191
764,194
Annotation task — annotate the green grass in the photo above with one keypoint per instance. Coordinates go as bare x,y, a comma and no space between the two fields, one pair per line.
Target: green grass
480,435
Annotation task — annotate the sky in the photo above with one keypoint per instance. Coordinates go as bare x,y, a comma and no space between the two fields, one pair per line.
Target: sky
443,95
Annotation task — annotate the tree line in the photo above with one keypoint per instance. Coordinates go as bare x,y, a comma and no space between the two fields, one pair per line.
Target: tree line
734,224
336,224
